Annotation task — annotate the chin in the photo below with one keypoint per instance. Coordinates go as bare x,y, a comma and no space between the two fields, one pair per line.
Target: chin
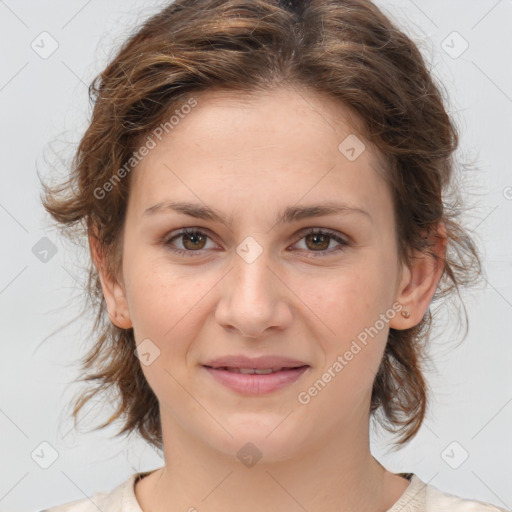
260,438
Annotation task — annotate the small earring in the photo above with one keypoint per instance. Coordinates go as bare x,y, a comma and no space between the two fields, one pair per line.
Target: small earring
405,313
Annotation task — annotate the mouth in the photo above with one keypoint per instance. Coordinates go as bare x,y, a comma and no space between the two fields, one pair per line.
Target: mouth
251,371
256,381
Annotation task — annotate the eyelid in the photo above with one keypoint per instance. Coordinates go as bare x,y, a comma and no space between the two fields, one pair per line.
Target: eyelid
178,233
342,240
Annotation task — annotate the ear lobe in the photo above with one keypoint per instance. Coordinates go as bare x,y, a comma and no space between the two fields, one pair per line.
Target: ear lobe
115,298
419,283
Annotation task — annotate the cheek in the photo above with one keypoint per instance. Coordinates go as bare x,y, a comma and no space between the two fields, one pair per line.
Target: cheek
169,308
353,309
164,311
159,297
346,300
350,308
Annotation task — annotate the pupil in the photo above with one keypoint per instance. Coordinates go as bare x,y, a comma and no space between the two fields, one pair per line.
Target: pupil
193,237
316,238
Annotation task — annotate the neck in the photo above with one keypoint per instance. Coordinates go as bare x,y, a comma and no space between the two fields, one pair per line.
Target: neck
340,476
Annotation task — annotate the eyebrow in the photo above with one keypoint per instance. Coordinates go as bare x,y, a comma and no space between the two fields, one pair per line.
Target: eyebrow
290,214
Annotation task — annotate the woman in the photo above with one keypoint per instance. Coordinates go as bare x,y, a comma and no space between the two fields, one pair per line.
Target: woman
262,185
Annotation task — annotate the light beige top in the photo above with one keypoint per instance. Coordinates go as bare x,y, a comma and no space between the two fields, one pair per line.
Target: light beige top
417,497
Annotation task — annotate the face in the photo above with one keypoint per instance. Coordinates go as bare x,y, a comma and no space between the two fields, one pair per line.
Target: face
266,275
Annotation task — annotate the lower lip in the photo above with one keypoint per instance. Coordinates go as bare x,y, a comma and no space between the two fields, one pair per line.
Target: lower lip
256,384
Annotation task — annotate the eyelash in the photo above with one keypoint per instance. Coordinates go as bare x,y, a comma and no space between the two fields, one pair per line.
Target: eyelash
312,231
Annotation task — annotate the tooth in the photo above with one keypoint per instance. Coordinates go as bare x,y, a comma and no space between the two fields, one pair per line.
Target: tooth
251,371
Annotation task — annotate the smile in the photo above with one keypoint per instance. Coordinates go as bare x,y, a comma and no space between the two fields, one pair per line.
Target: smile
256,381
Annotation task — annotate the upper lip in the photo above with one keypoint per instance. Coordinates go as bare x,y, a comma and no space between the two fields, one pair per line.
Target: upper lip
259,363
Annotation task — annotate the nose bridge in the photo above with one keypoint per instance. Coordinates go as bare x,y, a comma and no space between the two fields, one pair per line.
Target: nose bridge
251,301
252,276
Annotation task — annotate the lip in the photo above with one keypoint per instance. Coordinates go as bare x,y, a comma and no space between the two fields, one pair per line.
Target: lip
256,384
262,362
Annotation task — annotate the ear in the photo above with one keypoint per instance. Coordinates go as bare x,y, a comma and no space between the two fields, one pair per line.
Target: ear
418,283
113,291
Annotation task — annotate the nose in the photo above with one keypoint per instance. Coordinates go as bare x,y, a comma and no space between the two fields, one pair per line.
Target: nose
254,298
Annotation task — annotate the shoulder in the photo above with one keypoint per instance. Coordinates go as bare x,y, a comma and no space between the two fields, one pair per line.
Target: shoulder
422,497
105,501
90,504
440,501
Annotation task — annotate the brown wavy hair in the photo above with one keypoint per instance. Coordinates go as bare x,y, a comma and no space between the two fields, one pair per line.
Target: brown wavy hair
347,49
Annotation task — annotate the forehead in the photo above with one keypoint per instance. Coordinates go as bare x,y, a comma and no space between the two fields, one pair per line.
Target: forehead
292,113
295,141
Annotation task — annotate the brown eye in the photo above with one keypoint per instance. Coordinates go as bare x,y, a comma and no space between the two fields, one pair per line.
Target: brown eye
318,241
193,241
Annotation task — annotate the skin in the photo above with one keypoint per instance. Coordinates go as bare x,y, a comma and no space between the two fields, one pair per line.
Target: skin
249,158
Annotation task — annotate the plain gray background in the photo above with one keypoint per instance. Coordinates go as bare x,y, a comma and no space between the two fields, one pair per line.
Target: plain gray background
464,446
